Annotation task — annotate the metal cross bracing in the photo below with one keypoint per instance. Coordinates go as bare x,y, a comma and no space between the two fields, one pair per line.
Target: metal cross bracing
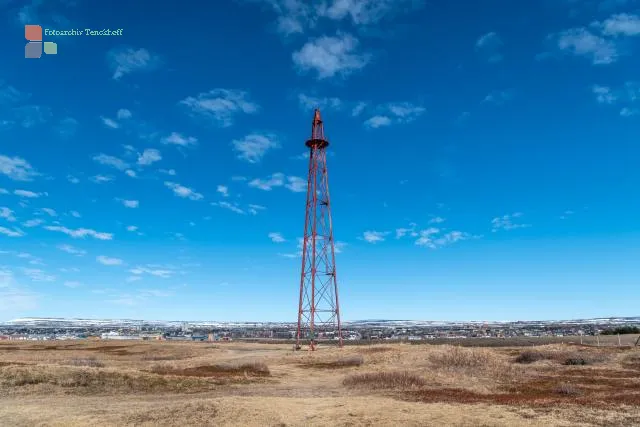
318,309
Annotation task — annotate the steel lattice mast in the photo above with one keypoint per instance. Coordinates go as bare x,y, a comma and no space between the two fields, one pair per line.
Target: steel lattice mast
318,310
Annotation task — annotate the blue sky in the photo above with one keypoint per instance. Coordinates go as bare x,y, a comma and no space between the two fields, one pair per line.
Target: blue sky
483,158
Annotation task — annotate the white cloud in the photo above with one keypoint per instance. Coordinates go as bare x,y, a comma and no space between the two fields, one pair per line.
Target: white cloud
220,105
277,237
405,111
331,56
358,109
130,203
374,236
124,61
132,228
7,214
32,223
295,16
183,191
365,12
164,272
72,179
111,161
276,180
178,139
149,156
253,147
72,250
411,231
603,94
506,222
16,232
28,194
622,24
75,214
108,261
233,207
224,190
488,45
124,114
254,209
582,42
37,275
16,168
293,183
130,173
432,238
80,233
629,112
110,122
170,172
436,220
310,102
377,121
49,211
99,179
394,112
296,184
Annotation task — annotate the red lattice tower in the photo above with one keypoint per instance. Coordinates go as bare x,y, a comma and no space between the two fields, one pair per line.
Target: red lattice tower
318,311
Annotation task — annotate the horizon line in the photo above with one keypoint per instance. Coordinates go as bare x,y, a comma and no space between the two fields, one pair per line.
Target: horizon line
345,321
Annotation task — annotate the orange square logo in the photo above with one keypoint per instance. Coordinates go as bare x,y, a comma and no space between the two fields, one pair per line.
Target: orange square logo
33,33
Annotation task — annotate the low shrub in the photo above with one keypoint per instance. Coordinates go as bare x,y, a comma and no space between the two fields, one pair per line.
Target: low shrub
385,381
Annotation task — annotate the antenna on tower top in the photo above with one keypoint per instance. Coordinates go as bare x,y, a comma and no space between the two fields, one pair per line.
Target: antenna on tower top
317,139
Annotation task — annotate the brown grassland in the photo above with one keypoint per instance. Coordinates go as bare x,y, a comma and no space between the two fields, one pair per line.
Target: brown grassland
141,383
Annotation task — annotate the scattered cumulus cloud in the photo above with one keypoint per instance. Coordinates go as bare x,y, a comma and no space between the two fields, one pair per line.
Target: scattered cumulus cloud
105,260
311,102
72,250
377,122
33,223
149,156
394,113
622,24
374,236
15,232
100,179
220,106
123,61
489,46
17,168
253,147
111,161
80,233
233,207
223,189
7,214
182,191
293,183
277,237
130,203
28,194
176,138
331,56
507,222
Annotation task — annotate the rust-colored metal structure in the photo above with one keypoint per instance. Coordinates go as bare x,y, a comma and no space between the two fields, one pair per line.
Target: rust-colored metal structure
319,309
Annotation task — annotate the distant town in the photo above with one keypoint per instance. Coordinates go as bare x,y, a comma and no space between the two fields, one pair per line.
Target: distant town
35,329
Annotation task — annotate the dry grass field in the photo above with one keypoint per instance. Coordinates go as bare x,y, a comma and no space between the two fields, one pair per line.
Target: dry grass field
99,383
